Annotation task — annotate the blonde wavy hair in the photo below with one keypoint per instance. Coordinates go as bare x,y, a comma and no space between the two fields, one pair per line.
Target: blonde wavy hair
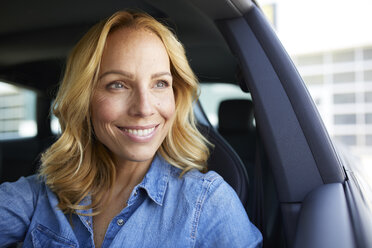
77,164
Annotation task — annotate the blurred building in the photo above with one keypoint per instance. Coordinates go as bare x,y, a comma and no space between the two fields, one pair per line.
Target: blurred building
340,83
333,54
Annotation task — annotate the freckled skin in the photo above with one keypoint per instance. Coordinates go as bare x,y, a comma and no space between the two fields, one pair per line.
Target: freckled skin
141,55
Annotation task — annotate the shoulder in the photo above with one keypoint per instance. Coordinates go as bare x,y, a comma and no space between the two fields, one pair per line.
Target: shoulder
24,186
23,193
196,176
196,183
214,189
17,204
220,219
211,194
211,182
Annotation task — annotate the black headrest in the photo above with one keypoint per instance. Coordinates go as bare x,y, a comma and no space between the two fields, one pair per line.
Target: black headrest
236,114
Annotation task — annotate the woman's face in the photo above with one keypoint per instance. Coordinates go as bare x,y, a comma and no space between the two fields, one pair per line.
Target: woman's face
133,105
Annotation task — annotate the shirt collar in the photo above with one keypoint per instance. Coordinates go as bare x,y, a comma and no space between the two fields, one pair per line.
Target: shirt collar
156,179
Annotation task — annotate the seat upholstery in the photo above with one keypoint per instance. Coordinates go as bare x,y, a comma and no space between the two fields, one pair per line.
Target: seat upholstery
223,158
236,125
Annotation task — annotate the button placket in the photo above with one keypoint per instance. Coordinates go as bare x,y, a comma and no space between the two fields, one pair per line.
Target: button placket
88,223
120,222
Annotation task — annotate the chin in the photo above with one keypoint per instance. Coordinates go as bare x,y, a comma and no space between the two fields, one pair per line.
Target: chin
135,157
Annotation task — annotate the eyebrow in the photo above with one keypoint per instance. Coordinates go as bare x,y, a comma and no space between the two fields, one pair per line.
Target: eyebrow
159,74
130,76
120,72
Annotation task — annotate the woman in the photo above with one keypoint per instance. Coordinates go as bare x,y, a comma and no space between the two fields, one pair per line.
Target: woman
125,171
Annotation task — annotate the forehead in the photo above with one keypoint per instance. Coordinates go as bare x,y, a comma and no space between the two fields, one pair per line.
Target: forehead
131,31
133,37
129,44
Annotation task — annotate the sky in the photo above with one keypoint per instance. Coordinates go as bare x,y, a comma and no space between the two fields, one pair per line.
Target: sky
306,26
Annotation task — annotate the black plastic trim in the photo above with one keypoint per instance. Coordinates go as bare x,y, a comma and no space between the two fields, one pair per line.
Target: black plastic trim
293,164
325,220
360,212
309,118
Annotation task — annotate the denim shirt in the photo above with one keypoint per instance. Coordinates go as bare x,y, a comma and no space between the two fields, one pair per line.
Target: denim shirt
164,210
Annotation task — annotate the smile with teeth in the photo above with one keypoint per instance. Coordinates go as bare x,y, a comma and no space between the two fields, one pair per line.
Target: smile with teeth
139,132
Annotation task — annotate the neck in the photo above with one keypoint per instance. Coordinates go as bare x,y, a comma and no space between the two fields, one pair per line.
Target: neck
129,174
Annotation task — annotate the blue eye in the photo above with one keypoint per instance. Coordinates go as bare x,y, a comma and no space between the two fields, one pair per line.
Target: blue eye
161,84
116,85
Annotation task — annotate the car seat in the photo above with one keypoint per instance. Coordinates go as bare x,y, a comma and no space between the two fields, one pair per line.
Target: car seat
223,159
236,124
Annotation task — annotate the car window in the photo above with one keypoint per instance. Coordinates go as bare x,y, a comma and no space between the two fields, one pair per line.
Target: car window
212,94
337,70
17,112
55,127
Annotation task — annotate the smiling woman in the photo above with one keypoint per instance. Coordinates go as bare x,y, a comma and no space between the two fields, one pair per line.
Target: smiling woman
133,105
127,168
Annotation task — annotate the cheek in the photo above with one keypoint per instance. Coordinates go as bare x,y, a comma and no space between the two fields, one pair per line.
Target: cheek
104,110
167,107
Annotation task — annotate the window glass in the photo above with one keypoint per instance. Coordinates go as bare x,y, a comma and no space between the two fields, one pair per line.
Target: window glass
345,119
54,125
344,98
368,96
367,53
212,94
319,47
313,79
349,140
17,112
368,118
368,75
313,59
318,101
343,56
369,140
344,77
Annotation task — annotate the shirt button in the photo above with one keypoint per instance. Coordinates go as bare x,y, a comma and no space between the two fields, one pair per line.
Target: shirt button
135,193
120,222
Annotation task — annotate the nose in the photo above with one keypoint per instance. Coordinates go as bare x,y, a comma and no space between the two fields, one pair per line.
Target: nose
141,104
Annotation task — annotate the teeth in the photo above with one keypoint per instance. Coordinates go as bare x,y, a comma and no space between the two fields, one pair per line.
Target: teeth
140,132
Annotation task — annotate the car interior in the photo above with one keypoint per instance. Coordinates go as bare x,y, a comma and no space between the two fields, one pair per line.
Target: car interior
273,150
